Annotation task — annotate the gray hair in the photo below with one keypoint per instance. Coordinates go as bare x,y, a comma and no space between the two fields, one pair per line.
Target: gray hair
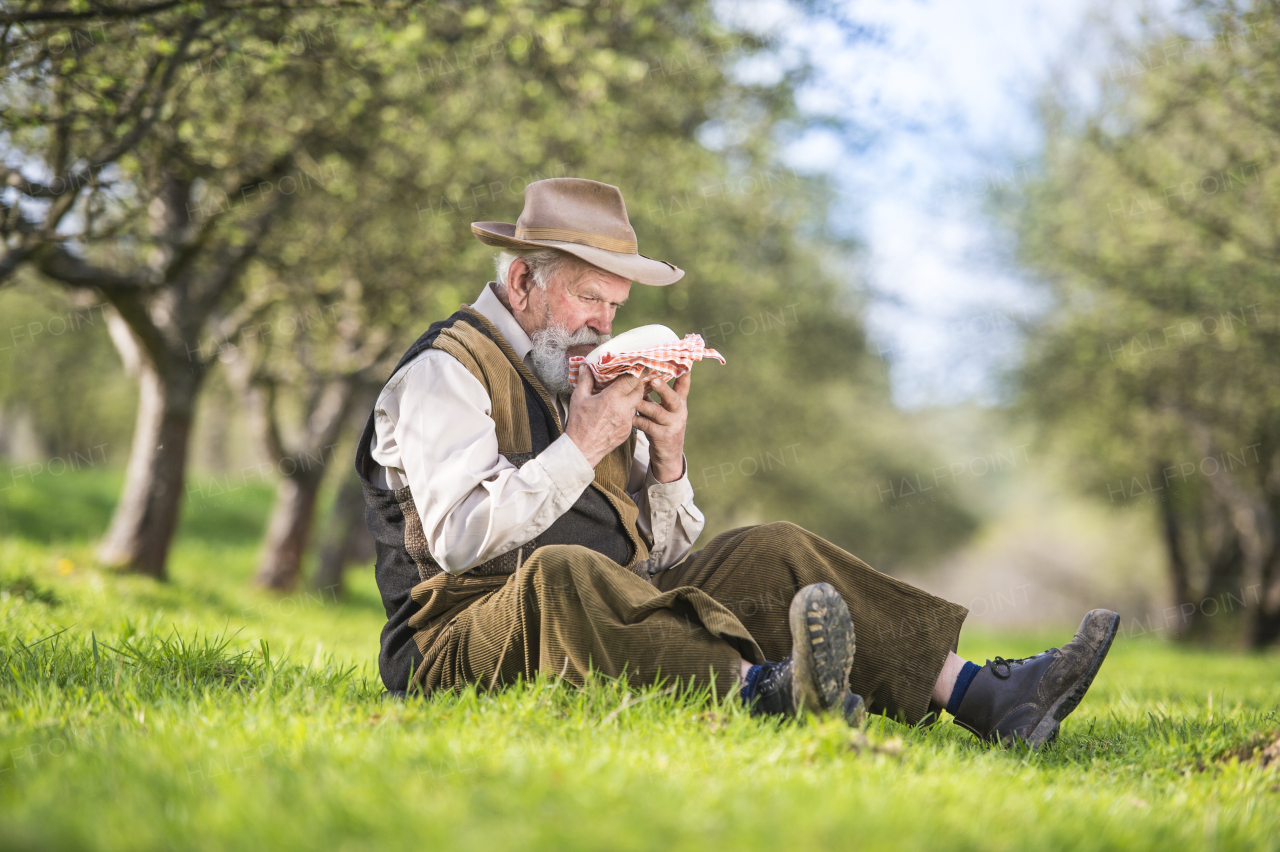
544,266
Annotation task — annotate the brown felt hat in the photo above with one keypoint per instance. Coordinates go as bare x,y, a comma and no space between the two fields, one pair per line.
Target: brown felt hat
584,218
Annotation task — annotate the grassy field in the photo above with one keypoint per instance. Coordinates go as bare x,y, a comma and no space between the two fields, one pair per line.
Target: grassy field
201,714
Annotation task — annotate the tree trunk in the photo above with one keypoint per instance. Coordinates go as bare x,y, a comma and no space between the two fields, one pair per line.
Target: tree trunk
1264,629
289,531
147,515
1179,572
347,538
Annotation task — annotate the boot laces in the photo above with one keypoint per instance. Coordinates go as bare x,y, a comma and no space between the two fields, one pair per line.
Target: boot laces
771,674
1008,665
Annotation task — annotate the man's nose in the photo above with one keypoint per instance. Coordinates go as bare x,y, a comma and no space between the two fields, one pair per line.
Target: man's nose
602,324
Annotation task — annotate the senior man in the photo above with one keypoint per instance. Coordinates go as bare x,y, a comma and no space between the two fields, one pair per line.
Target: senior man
526,526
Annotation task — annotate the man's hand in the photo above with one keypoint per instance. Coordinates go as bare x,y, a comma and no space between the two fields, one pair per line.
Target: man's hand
664,424
599,422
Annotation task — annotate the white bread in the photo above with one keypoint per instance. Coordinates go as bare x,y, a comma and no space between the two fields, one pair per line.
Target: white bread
637,338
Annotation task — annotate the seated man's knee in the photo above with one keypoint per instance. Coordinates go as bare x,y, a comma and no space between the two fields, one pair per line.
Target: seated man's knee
779,540
779,533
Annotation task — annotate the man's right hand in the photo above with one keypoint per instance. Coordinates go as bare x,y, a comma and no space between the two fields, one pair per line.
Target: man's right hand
599,422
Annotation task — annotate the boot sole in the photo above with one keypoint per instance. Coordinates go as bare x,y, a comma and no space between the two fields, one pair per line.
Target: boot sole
823,643
1047,730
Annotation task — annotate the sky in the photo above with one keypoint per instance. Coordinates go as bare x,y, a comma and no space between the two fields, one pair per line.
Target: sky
942,95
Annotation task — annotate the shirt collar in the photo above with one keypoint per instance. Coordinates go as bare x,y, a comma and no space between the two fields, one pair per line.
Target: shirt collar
492,309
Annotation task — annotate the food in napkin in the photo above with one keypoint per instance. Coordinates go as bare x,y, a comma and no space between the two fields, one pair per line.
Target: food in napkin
650,352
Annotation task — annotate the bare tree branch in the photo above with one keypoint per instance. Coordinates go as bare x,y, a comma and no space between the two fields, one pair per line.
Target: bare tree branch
99,11
124,11
54,261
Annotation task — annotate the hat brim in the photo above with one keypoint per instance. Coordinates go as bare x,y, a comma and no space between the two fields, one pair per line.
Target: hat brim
633,267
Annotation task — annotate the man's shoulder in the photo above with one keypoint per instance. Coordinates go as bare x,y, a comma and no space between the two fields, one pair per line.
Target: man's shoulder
440,361
425,363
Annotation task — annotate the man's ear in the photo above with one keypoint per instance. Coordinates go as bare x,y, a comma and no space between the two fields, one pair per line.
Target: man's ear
519,283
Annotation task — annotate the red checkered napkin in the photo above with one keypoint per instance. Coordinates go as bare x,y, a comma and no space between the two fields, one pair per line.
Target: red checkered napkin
668,360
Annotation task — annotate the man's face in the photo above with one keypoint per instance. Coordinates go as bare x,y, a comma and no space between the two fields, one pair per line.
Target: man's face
581,297
571,317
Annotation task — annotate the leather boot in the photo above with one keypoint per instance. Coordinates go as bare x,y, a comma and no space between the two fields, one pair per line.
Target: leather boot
815,675
1025,700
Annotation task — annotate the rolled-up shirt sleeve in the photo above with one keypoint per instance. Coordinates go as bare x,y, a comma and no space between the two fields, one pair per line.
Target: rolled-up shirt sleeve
669,521
434,433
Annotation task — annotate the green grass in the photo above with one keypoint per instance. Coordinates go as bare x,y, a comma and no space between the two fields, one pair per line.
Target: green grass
203,714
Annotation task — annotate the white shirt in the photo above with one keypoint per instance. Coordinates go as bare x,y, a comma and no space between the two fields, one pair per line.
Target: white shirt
434,433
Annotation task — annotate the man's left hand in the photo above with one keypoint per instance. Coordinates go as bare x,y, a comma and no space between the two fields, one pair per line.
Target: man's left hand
664,424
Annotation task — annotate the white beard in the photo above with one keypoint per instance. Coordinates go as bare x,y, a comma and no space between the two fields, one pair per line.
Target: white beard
551,353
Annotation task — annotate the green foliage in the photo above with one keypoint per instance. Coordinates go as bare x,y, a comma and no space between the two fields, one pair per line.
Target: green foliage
392,130
1154,226
58,367
798,425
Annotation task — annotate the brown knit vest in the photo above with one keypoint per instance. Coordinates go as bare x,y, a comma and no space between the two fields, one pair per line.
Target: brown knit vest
504,376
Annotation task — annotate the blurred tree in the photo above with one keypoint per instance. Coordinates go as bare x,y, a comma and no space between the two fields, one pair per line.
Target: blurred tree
1157,227
149,149
629,94
328,362
59,373
403,130
344,538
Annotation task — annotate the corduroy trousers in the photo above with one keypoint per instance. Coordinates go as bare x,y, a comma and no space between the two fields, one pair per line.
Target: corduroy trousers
568,610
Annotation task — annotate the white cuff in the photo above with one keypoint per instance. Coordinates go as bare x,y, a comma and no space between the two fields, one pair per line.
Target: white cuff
566,467
666,496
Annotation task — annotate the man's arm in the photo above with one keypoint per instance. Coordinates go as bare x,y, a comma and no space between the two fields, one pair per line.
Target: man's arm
669,521
434,420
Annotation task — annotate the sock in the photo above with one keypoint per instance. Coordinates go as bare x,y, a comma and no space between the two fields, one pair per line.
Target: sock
961,687
749,684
